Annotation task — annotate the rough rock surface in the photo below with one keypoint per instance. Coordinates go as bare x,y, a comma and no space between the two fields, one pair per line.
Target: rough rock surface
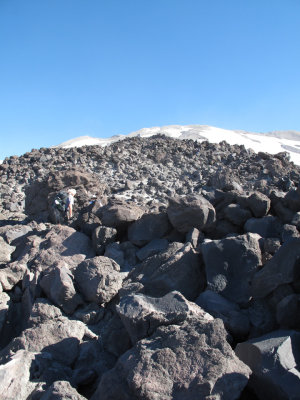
113,304
191,361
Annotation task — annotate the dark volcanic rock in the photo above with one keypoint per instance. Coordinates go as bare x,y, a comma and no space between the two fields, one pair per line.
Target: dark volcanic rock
191,212
230,265
274,361
98,279
191,361
177,221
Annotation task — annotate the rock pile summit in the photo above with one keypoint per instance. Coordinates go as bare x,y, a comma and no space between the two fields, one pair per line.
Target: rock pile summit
177,278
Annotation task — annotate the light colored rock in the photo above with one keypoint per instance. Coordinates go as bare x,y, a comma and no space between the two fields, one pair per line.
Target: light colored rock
5,251
98,279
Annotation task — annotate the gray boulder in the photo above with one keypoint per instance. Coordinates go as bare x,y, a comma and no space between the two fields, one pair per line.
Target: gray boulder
141,314
16,232
237,215
147,228
266,227
259,204
274,360
5,251
181,272
281,269
192,211
236,321
288,312
60,338
118,213
64,243
57,283
230,265
15,382
292,200
11,275
4,306
153,247
289,232
191,361
61,390
101,237
98,279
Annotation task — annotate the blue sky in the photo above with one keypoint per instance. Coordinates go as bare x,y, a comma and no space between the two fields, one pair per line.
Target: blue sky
102,67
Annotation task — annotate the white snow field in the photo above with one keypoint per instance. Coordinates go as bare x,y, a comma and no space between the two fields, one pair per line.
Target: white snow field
271,142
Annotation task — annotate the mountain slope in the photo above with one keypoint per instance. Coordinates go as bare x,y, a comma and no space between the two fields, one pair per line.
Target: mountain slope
271,142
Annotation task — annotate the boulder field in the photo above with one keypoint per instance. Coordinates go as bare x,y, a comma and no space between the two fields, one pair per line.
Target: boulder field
178,278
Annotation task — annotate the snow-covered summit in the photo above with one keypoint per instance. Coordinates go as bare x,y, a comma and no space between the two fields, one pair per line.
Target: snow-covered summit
270,142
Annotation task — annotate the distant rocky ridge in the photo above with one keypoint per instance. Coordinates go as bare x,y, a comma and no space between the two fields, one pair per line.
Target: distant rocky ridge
178,277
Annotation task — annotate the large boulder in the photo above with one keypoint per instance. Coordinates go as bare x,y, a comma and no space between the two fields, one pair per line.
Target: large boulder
230,265
61,390
191,361
11,275
64,243
236,214
147,228
282,268
235,320
5,251
259,204
101,237
98,279
288,312
192,211
142,314
266,227
57,283
4,306
153,247
181,272
119,213
274,360
15,382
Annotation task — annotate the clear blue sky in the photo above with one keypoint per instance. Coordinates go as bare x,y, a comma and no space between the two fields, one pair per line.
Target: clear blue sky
70,68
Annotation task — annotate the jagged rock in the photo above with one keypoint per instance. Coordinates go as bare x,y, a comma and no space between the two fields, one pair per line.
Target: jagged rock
142,314
296,220
289,232
236,214
98,279
190,361
15,380
190,212
181,272
5,251
114,251
88,222
266,227
271,245
64,243
195,237
153,247
288,312
16,232
261,316
147,228
57,283
4,306
259,204
230,265
43,311
118,213
292,200
274,361
234,319
60,338
11,275
61,390
102,236
282,268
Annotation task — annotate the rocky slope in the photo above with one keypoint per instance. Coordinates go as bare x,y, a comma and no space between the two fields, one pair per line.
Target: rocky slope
177,278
